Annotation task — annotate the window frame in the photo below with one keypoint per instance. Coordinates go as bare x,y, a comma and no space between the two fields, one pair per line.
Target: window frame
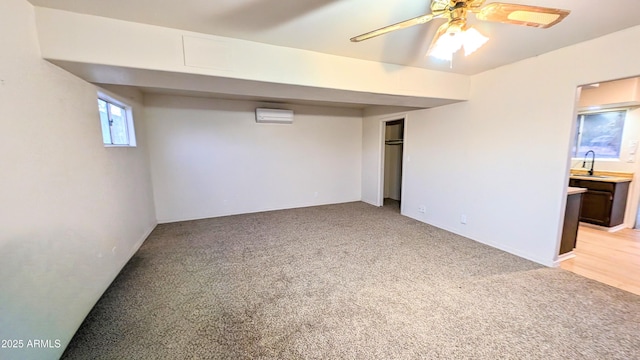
128,118
580,127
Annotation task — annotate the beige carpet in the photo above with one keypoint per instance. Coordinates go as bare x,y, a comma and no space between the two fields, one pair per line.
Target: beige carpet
347,281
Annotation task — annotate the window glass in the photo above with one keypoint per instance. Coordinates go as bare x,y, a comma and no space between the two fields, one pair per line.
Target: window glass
118,125
104,121
116,122
600,132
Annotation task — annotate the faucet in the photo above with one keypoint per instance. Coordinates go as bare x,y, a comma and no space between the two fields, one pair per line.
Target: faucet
593,160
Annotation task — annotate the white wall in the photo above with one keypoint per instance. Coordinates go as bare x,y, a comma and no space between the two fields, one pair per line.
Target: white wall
72,211
502,158
210,158
435,160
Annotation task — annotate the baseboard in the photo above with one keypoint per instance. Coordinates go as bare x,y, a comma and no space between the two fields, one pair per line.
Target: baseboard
113,275
518,253
604,228
139,243
132,252
565,256
253,211
366,201
515,252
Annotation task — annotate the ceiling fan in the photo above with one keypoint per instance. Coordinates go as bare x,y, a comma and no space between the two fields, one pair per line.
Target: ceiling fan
459,34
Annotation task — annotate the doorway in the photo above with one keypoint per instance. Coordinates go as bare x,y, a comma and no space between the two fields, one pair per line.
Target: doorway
393,155
608,125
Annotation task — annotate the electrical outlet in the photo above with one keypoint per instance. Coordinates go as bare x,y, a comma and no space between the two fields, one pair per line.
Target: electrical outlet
463,219
422,209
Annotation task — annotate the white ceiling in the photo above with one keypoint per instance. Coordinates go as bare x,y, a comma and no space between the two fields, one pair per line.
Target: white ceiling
326,26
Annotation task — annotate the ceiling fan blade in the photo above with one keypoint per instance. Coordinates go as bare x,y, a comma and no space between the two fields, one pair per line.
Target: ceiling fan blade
535,16
401,25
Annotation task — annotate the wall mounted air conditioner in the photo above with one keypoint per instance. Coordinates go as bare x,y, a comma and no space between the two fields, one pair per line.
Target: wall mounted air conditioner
274,116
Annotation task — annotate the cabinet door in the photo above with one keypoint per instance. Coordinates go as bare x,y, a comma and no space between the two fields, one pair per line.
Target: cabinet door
570,228
596,207
619,204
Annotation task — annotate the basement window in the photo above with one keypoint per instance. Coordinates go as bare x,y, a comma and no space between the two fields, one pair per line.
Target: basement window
116,121
601,132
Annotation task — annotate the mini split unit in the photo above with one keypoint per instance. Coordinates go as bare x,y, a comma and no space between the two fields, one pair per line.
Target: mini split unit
274,116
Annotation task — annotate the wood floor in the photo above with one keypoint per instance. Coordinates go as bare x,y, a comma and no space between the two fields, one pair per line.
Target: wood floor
611,258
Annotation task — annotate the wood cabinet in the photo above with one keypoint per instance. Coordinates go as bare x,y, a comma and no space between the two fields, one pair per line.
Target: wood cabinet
604,203
570,228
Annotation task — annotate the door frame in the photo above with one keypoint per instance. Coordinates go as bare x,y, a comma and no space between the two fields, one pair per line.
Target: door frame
381,163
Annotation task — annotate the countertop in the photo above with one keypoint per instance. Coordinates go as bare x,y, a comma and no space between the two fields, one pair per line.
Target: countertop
614,179
575,190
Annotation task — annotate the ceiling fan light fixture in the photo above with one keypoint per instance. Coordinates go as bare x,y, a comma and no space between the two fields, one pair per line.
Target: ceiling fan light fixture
449,42
473,41
446,45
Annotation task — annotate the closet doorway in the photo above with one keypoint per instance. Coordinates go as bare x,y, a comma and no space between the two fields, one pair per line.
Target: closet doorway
393,148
